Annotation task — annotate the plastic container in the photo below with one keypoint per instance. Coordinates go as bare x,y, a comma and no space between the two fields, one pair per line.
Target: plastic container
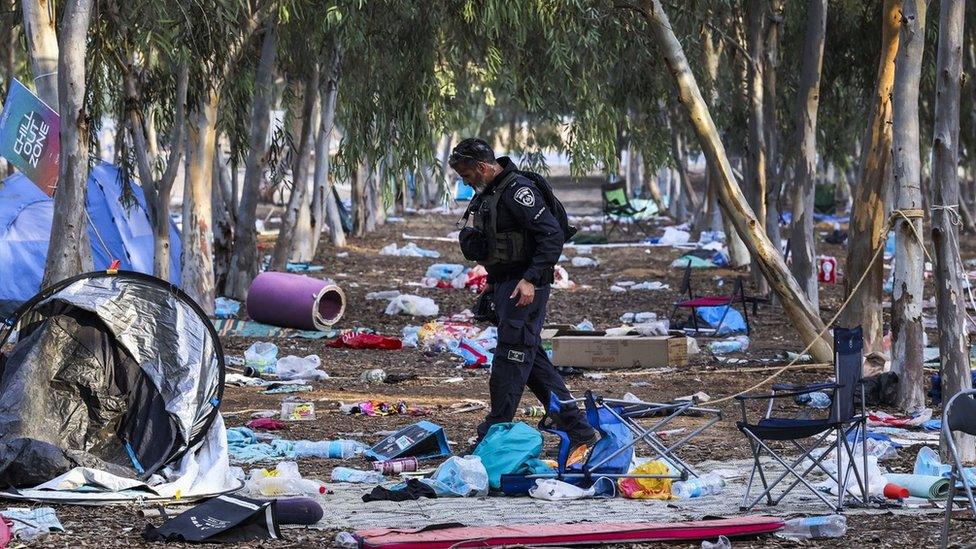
894,491
721,543
285,486
297,410
730,345
261,356
334,449
394,466
355,476
828,526
705,485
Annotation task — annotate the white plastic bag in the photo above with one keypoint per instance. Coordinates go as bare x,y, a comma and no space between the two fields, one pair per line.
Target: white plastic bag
412,305
294,367
261,356
550,489
460,477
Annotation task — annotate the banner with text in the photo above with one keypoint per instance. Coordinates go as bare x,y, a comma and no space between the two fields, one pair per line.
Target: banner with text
30,136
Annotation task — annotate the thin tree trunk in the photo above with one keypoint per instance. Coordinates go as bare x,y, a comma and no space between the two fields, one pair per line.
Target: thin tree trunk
358,180
802,244
738,254
685,190
653,189
223,224
42,45
774,183
286,234
906,310
369,194
953,338
756,151
162,262
804,317
244,263
325,210
197,261
443,183
868,219
69,252
302,247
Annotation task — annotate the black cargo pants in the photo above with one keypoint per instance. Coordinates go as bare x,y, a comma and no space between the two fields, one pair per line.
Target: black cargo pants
521,361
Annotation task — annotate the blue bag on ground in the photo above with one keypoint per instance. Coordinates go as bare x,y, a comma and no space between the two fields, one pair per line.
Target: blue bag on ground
509,448
732,324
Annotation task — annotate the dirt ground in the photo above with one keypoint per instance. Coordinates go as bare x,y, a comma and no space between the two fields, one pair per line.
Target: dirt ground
363,271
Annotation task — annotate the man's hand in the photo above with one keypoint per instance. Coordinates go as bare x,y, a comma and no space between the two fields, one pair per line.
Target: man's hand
525,291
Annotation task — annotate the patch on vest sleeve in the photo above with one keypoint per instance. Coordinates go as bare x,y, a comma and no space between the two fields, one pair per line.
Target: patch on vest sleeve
516,356
525,197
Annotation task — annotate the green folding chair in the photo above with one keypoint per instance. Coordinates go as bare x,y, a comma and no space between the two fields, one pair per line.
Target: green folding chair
616,207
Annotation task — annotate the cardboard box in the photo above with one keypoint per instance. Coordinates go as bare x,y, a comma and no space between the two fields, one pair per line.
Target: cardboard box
610,353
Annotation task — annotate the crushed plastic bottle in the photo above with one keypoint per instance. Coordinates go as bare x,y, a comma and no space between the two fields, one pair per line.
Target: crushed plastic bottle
721,543
279,486
705,485
355,476
828,526
729,345
345,540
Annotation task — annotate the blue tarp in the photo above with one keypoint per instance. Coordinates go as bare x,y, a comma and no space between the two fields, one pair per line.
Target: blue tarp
25,228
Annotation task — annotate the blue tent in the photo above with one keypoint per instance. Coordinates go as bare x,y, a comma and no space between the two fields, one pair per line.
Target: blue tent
115,231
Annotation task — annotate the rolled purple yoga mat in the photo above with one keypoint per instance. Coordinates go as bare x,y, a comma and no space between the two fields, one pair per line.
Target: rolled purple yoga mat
295,301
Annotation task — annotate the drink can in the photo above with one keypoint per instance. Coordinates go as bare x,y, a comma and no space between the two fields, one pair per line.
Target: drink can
394,466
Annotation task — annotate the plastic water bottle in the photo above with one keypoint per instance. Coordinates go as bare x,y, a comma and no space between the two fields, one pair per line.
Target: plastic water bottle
828,526
335,449
355,476
282,486
533,411
721,543
706,485
731,345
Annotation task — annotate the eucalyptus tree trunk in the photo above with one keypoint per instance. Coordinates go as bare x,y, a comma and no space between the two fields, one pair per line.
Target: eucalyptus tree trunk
653,189
380,186
42,45
447,174
244,262
801,313
302,247
198,266
69,252
686,191
358,180
953,338
906,310
738,253
162,257
774,183
223,222
325,209
868,219
285,243
756,151
370,194
802,244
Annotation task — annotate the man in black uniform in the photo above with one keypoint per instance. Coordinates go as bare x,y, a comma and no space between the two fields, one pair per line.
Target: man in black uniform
522,241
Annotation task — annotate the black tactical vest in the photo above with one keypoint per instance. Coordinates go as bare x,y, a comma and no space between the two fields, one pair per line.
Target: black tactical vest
503,247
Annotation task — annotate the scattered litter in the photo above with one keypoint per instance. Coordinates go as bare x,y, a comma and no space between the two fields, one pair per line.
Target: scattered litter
356,476
381,408
817,399
561,279
230,327
584,262
412,305
364,340
224,307
295,367
376,375
385,294
267,424
729,345
721,543
30,524
283,480
396,466
674,236
281,389
297,410
262,357
408,250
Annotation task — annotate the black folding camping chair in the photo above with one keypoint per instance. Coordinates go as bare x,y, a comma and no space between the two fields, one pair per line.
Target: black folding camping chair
617,206
959,414
843,422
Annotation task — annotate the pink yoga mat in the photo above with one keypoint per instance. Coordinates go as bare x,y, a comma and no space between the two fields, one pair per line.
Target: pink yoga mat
588,533
295,301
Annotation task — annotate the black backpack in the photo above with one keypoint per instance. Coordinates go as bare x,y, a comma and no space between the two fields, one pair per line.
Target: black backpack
553,203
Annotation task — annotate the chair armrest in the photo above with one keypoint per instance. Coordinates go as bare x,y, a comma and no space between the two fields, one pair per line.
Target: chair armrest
791,393
800,389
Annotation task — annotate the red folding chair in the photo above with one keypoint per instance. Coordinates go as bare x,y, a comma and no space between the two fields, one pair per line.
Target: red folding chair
695,303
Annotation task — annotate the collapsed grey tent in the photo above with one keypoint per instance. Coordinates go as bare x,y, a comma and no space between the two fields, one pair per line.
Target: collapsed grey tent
118,371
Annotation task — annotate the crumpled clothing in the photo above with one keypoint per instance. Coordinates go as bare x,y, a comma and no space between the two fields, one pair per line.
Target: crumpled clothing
380,408
413,490
361,340
28,524
267,424
647,488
